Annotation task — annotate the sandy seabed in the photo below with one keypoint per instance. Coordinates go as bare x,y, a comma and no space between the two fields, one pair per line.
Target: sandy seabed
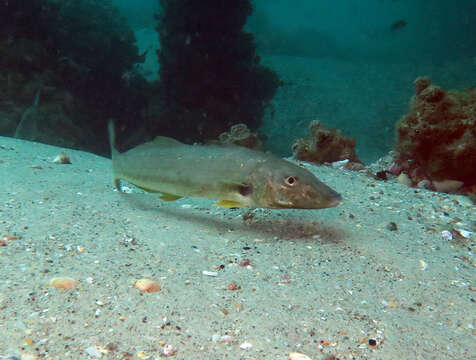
373,278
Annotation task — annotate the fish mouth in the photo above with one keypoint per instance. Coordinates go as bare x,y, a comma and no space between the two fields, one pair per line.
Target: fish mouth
335,200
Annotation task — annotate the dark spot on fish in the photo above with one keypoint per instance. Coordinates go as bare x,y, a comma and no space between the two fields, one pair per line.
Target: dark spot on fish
245,189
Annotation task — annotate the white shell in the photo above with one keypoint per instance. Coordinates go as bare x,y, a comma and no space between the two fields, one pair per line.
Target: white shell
447,235
464,233
209,273
246,346
298,356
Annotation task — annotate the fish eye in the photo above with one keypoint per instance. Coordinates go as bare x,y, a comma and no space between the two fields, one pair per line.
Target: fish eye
290,180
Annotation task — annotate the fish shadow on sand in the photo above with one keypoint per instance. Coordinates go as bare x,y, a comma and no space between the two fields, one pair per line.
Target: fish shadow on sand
267,226
294,229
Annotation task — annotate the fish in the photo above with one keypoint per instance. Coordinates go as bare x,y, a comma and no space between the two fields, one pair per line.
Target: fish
397,25
234,176
27,128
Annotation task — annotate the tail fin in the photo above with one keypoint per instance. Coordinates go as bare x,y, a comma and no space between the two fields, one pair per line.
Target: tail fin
114,152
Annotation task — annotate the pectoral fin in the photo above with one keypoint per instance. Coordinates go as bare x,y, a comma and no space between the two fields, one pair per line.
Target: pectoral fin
146,189
229,204
163,196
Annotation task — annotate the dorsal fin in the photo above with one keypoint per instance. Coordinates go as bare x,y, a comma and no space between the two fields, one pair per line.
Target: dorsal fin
165,141
160,141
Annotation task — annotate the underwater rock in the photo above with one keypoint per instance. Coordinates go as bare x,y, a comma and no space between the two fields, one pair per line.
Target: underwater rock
240,135
437,139
325,145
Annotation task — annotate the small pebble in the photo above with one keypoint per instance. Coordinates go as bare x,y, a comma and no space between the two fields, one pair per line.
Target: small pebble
142,355
233,286
245,262
168,350
226,339
392,226
93,351
423,265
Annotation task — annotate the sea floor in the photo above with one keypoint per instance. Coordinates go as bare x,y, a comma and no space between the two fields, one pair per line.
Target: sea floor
374,278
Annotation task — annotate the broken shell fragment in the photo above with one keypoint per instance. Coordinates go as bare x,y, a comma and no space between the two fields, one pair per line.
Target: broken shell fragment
65,283
62,158
168,350
447,235
404,179
147,285
246,346
298,356
464,233
209,273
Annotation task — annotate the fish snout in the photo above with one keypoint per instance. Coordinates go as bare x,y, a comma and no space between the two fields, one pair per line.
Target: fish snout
335,200
325,197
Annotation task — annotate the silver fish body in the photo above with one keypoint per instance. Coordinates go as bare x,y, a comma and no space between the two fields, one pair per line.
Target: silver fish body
235,176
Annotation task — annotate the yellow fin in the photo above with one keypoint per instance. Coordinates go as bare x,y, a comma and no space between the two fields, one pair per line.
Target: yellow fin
146,189
229,203
169,197
163,196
